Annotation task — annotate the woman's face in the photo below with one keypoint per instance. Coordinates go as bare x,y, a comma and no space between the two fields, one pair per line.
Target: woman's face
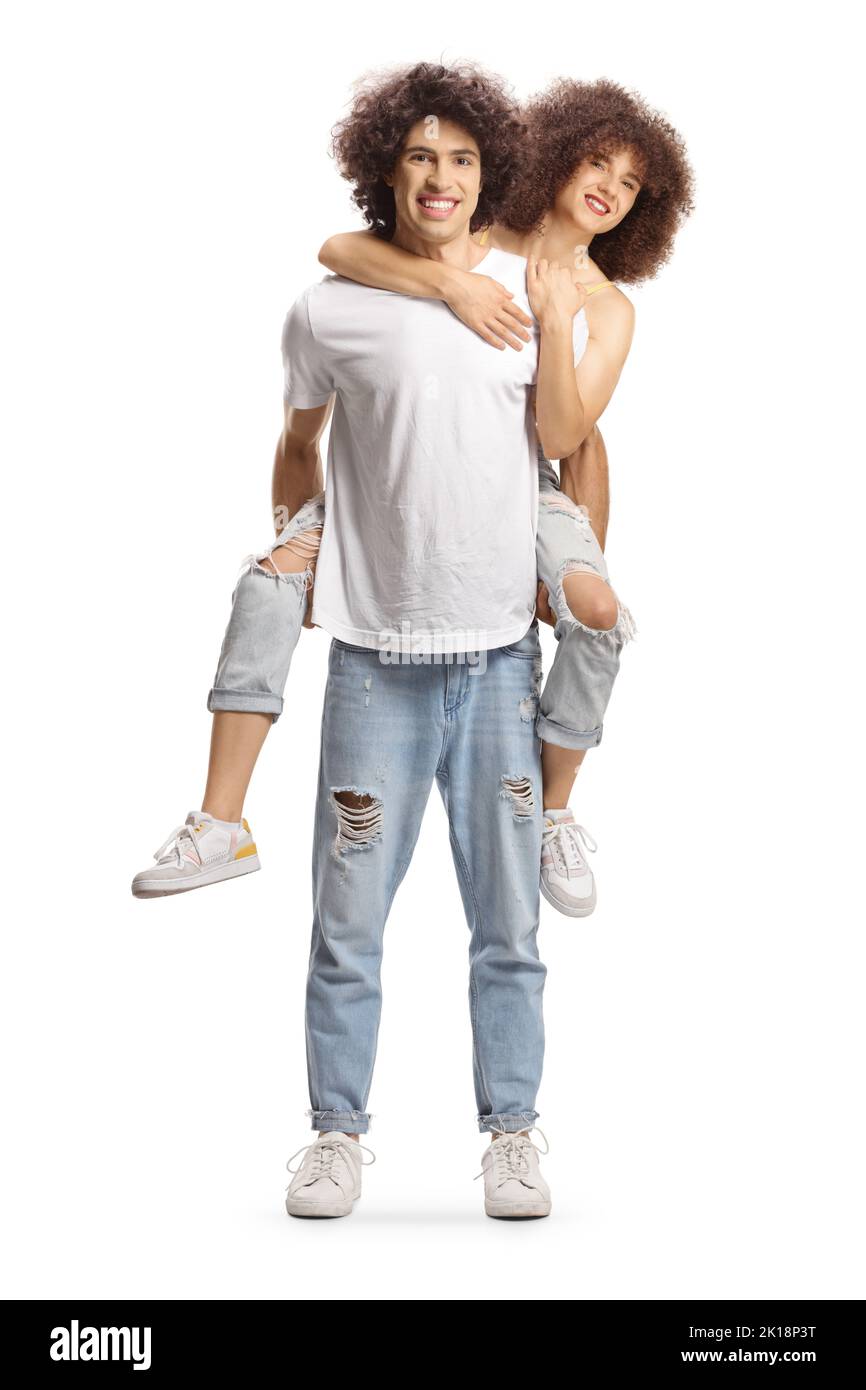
601,191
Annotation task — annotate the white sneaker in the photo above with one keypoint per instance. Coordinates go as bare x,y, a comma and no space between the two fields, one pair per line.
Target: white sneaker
566,878
200,851
513,1185
328,1182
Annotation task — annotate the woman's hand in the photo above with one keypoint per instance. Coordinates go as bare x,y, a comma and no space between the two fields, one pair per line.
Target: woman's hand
554,291
488,308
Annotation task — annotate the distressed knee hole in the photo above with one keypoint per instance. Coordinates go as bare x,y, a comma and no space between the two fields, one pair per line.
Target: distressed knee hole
305,545
294,556
359,818
518,790
591,600
560,504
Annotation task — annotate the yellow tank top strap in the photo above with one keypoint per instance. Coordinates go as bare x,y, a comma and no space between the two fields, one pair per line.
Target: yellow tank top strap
482,240
602,285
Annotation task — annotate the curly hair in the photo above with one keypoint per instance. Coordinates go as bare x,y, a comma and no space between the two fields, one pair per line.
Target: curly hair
572,121
367,141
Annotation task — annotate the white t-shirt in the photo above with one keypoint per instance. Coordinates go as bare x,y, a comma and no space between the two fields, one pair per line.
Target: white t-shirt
431,496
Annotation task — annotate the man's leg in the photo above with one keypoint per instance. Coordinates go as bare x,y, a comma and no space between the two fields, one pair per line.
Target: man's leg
490,780
382,732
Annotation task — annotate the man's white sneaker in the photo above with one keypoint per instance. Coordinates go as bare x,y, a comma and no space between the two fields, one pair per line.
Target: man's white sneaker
513,1185
328,1182
200,851
566,878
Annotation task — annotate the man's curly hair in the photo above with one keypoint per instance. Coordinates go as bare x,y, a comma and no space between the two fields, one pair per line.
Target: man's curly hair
572,121
367,141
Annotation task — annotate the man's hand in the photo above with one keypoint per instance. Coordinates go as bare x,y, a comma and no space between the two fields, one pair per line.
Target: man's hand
487,307
543,610
554,290
309,608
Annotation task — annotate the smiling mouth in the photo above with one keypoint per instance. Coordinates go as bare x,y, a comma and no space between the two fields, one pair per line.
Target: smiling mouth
596,204
437,208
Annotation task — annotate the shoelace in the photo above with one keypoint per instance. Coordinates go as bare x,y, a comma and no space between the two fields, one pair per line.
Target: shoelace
178,841
564,837
509,1155
325,1153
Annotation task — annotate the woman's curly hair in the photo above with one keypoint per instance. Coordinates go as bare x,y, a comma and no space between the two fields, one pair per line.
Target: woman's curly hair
367,141
572,121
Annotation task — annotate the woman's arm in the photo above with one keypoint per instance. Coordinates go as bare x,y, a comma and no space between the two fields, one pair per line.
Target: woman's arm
478,300
599,369
569,400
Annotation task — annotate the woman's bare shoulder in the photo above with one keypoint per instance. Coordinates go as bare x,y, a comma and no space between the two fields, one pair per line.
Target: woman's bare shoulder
610,316
607,299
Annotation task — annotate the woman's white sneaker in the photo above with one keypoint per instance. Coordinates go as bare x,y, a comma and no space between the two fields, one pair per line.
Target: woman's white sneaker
513,1185
328,1182
566,878
201,851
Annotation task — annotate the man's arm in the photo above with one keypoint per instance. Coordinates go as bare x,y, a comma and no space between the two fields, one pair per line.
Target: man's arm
479,301
584,478
297,472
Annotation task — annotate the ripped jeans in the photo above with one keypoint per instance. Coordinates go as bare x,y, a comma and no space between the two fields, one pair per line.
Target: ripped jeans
389,732
265,623
268,611
577,690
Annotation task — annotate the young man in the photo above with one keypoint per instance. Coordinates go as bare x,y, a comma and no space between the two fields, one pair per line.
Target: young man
426,581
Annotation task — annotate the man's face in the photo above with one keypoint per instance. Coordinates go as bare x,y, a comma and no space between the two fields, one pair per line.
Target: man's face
601,191
436,181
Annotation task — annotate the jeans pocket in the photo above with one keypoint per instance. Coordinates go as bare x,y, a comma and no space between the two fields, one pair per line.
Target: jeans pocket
528,648
348,647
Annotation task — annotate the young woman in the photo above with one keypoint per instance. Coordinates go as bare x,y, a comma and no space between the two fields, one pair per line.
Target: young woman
602,170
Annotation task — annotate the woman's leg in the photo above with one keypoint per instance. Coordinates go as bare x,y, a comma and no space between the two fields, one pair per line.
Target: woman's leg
269,607
591,601
237,735
591,627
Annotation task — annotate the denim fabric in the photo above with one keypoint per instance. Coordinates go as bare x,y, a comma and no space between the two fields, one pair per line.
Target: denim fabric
389,730
578,688
264,626
268,611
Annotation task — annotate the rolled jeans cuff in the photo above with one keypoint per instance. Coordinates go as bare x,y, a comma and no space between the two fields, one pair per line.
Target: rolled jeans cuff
550,732
347,1121
510,1124
246,701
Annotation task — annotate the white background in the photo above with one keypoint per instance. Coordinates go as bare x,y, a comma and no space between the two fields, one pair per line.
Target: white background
167,188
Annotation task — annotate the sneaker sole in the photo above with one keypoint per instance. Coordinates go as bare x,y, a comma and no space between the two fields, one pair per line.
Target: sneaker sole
316,1209
162,888
517,1211
568,911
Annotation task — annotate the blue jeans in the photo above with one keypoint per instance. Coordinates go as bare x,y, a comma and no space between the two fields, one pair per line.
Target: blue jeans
264,626
387,731
577,691
268,612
